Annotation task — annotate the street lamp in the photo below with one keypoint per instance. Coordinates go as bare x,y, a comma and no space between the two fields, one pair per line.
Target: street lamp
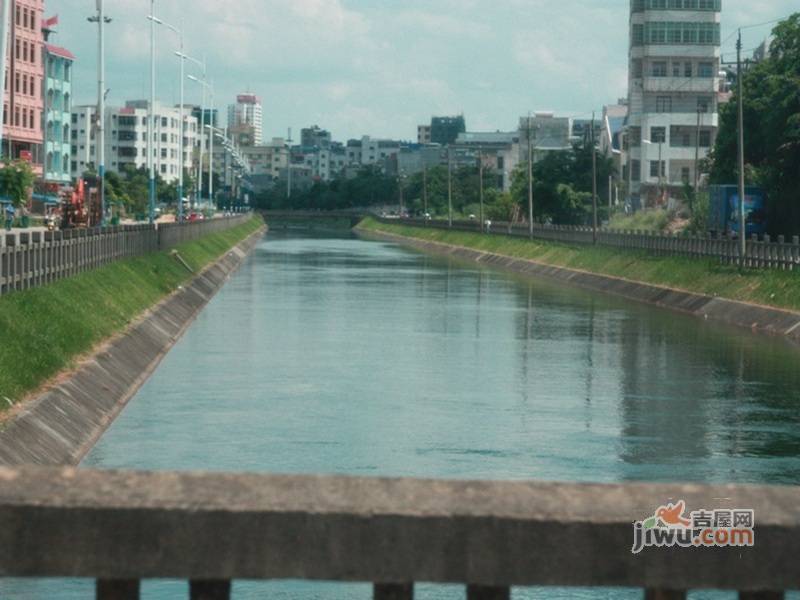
179,32
151,116
214,133
184,57
206,86
101,19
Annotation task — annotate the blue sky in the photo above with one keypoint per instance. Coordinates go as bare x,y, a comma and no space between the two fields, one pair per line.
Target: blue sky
380,67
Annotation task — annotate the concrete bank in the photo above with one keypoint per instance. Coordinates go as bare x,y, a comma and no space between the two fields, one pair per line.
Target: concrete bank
61,426
763,319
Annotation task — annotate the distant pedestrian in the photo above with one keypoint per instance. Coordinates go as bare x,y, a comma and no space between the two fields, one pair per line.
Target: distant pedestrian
9,216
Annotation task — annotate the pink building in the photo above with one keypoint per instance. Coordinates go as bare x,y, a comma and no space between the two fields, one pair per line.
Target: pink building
23,101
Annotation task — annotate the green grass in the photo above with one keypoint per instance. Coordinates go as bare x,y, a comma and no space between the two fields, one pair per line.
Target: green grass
769,287
644,220
43,330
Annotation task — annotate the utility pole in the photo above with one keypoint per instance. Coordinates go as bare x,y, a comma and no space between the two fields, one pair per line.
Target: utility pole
449,189
696,162
151,117
530,178
594,187
400,192
289,165
480,177
4,32
742,219
425,190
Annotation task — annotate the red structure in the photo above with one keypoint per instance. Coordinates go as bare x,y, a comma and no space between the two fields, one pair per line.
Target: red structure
23,102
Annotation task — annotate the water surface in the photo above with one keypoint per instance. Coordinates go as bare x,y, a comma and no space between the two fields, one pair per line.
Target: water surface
338,355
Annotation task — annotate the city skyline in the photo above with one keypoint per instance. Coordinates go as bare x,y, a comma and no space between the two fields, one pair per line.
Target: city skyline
356,68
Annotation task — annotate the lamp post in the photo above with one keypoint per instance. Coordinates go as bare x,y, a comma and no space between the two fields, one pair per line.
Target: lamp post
101,19
151,117
206,86
179,32
184,57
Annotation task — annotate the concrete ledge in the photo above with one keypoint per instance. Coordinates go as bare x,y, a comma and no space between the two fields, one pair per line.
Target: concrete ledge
762,319
132,525
62,425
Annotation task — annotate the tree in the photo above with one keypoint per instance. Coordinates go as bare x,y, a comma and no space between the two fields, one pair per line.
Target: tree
561,181
16,181
771,100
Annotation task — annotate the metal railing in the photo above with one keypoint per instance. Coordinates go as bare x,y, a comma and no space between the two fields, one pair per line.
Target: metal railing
762,252
33,259
122,527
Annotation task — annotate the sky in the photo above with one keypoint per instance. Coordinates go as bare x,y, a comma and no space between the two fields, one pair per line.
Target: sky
379,67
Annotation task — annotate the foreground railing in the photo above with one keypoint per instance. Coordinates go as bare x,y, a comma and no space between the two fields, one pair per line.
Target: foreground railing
762,252
33,259
122,527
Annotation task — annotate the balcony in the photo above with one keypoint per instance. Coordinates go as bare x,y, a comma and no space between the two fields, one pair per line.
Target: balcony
681,84
122,527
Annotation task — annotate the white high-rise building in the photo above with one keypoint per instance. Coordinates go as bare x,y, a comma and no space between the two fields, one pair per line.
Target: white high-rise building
673,85
126,139
247,112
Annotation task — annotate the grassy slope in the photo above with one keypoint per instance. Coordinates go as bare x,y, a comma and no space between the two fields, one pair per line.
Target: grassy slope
774,288
42,330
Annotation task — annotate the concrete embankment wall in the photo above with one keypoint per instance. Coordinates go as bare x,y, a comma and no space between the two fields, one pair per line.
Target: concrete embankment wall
62,425
757,318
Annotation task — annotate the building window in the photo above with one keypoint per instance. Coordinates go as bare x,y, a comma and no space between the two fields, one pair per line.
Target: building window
637,35
676,69
636,174
687,69
702,104
685,174
658,68
163,121
705,139
16,83
164,169
658,135
25,50
705,69
654,168
664,104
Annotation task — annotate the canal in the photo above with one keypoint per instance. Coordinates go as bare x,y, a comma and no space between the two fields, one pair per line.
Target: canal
331,354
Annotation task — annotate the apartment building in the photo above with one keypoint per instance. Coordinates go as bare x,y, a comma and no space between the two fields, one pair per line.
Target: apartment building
674,65
126,139
57,64
23,100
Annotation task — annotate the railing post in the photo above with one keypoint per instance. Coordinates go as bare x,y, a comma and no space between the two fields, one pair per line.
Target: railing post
483,592
393,591
123,589
665,595
209,590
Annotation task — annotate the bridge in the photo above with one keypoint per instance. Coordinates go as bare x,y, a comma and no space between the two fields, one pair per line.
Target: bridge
121,527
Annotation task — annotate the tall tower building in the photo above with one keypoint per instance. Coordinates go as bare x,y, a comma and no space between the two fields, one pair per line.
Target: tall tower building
247,114
673,84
